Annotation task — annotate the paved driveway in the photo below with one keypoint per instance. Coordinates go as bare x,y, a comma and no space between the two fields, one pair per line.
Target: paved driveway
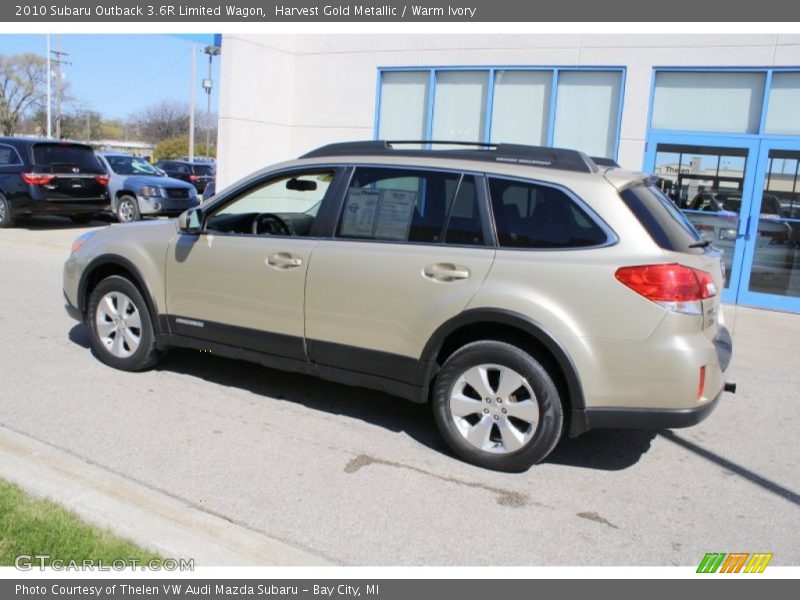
362,478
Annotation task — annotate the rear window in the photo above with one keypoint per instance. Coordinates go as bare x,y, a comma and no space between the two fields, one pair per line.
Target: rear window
66,157
202,170
665,223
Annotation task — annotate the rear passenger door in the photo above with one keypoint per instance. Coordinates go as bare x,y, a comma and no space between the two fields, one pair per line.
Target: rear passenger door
410,249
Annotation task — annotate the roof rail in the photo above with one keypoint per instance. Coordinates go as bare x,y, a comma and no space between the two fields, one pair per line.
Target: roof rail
535,156
602,161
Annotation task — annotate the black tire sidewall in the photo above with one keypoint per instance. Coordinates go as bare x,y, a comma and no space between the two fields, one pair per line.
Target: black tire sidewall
145,354
551,415
8,221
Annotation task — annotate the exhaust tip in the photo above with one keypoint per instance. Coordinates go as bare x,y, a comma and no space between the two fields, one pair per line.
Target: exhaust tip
730,387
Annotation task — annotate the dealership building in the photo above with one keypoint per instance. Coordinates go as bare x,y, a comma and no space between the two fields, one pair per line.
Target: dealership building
715,117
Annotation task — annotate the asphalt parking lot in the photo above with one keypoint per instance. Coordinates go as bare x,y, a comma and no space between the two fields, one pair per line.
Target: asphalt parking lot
361,478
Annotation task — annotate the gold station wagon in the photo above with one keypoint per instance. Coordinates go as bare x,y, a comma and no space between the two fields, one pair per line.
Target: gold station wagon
525,292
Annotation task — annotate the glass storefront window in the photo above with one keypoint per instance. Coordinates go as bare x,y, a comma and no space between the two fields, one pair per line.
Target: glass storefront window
521,107
516,108
586,111
783,116
727,102
776,259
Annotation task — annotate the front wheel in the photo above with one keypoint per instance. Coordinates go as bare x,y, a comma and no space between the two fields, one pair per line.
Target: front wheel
497,407
122,332
127,209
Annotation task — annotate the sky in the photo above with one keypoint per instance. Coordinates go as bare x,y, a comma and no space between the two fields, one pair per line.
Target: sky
120,74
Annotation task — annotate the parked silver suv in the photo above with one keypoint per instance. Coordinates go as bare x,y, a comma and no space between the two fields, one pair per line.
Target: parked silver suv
525,292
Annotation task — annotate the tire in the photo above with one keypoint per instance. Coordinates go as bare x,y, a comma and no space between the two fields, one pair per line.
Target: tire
121,348
510,435
127,209
81,219
6,216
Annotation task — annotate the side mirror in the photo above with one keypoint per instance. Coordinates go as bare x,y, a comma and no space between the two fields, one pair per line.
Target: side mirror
190,221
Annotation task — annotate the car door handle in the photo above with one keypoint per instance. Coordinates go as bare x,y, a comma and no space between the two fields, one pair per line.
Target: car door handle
445,272
284,260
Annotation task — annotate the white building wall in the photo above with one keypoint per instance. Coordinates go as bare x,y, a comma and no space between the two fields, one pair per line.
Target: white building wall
282,95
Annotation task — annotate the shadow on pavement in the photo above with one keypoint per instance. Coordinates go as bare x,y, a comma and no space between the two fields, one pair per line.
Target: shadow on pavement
603,449
47,222
733,467
608,450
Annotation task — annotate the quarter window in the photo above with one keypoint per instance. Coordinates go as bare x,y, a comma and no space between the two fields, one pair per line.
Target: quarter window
529,215
8,156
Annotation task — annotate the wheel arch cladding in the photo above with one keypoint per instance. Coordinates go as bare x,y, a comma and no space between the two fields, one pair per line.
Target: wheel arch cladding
105,266
506,326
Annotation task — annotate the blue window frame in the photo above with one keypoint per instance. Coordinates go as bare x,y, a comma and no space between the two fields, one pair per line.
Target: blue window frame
550,105
768,73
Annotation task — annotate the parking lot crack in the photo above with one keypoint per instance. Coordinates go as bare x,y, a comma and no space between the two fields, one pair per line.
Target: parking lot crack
504,496
593,516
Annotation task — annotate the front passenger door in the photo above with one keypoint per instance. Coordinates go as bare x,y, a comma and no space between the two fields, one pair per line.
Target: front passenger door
241,280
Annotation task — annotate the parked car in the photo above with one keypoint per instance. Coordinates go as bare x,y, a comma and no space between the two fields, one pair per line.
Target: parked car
715,214
40,176
137,188
525,292
198,174
211,189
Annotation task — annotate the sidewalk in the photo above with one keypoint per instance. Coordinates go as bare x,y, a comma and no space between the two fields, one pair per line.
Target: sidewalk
152,519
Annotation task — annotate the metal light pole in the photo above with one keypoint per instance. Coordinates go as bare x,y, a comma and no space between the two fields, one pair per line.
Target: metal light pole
191,102
208,84
49,118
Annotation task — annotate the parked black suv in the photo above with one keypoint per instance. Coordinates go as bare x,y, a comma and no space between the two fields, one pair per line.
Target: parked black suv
39,176
198,174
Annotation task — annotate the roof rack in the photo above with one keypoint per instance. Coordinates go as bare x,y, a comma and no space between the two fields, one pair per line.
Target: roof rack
602,161
535,156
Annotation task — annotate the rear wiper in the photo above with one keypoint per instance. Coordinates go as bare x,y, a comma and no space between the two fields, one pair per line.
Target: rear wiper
702,244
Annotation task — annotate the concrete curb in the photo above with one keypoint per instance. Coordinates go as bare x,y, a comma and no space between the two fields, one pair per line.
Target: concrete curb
154,520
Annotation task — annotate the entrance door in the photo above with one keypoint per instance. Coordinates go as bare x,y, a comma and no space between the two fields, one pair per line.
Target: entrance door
711,179
771,273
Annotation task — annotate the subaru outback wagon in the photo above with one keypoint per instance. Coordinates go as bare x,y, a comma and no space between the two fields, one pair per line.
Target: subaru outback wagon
526,293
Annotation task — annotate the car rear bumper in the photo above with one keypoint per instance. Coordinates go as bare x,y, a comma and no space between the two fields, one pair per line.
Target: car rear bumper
72,311
645,417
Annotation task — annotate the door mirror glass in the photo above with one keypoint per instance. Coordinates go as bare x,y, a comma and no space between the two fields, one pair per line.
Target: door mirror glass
191,221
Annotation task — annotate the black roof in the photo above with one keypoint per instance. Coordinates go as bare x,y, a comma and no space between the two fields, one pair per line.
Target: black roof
536,156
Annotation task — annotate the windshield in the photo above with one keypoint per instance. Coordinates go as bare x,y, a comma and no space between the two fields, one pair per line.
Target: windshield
131,165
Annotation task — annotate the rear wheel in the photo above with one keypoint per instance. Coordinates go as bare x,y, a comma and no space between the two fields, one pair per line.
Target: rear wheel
6,216
121,327
127,209
497,407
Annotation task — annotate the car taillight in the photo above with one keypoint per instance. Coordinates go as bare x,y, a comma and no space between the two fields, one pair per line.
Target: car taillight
701,384
193,177
38,178
101,179
675,287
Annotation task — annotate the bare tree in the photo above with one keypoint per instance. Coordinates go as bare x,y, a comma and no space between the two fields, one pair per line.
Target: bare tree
23,78
163,120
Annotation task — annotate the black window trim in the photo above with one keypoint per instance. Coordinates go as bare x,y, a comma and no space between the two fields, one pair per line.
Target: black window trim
483,211
20,163
611,236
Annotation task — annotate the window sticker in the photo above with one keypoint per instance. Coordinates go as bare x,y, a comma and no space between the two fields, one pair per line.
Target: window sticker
394,214
383,214
360,210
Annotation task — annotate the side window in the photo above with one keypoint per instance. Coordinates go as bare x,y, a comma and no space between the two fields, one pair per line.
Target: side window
182,169
528,215
397,205
464,225
8,156
286,205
